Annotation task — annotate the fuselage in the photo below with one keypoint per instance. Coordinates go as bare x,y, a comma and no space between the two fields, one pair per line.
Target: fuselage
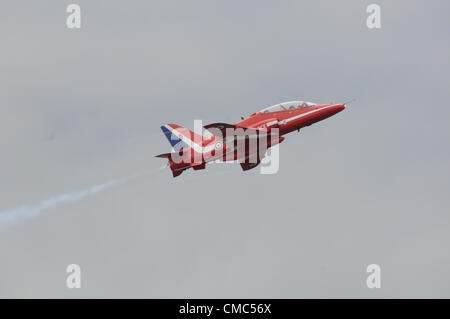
289,120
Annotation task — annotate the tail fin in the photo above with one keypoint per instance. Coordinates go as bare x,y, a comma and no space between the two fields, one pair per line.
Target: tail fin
180,137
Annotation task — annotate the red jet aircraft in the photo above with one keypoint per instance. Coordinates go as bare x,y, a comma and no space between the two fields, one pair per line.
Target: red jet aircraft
219,141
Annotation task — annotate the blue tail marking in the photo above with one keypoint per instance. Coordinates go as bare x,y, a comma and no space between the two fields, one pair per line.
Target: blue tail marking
174,140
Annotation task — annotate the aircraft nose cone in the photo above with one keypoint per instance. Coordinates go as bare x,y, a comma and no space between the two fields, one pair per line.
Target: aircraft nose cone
340,107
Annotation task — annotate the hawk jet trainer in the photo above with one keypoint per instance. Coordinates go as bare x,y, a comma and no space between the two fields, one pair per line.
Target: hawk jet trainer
245,141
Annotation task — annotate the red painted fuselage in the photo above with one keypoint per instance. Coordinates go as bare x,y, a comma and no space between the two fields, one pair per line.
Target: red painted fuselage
291,119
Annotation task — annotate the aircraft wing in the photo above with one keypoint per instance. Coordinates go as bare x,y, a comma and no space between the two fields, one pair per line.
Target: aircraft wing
214,128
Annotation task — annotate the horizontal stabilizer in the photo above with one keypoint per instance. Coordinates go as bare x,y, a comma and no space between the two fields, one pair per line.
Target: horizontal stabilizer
164,155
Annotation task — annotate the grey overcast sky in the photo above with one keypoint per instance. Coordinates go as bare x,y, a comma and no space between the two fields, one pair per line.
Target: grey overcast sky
83,107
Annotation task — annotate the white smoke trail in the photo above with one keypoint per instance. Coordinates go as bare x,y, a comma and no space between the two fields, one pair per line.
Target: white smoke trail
13,216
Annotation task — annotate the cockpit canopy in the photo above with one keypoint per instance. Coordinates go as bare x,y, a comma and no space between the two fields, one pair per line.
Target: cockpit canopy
287,106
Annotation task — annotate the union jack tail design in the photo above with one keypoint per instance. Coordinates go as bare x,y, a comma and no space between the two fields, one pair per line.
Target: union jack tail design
190,148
